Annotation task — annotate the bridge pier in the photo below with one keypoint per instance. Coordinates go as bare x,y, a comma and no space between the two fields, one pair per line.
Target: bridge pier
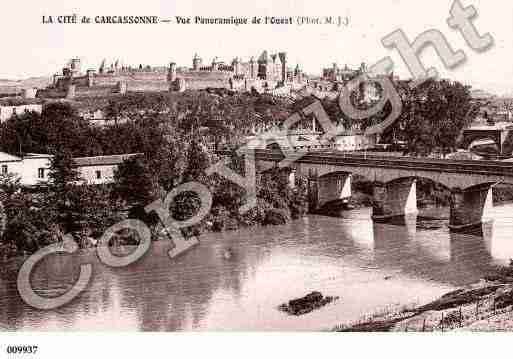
396,197
313,194
333,187
292,178
393,199
469,207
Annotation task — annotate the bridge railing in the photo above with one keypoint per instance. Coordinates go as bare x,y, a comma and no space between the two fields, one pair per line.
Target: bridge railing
351,158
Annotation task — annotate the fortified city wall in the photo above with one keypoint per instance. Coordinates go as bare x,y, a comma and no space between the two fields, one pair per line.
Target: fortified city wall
266,74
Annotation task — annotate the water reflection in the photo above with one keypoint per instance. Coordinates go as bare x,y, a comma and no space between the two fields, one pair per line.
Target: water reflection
439,255
368,265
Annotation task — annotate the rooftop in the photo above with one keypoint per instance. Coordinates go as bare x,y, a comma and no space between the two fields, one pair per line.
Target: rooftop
104,160
5,157
494,127
37,155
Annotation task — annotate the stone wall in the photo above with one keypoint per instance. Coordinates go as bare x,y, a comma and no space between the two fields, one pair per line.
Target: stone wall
147,86
199,84
96,91
112,80
197,80
204,75
51,93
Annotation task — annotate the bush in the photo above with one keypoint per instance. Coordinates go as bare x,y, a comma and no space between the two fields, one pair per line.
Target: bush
276,216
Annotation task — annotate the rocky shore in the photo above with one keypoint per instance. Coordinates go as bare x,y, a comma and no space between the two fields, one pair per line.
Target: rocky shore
484,306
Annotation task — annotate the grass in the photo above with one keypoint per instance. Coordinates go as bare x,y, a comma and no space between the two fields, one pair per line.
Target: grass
487,305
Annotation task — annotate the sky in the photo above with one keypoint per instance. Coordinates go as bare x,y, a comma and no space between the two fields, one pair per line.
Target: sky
31,48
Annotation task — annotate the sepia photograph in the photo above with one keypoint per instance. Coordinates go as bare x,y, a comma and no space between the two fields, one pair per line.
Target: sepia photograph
254,166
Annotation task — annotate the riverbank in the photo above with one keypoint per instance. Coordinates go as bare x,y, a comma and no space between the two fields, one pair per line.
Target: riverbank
483,306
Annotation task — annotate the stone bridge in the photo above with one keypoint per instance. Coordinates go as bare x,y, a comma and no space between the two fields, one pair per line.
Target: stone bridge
501,136
394,191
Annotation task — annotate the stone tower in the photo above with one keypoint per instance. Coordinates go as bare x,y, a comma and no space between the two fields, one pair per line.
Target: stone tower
196,62
70,91
298,74
215,64
236,66
101,70
283,59
181,85
75,66
252,68
66,72
55,79
122,87
90,78
263,66
29,93
172,72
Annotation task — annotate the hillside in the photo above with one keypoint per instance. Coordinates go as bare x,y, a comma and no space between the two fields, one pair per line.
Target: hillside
15,86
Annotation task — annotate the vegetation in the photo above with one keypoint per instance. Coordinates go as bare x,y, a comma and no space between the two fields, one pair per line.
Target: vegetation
434,114
175,135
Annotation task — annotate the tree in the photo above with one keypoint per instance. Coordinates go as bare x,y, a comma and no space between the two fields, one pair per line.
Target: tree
132,183
434,114
168,164
197,162
94,210
22,233
9,183
63,172
59,126
61,198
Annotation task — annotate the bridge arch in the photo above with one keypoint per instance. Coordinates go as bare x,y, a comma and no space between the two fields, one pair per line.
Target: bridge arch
335,174
473,136
418,178
480,186
482,141
469,181
380,177
450,180
486,146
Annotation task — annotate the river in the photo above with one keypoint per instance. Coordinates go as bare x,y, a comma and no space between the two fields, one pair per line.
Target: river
371,267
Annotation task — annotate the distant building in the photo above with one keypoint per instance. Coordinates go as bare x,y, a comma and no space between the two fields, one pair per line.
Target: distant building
95,117
334,79
100,169
355,142
6,111
498,136
265,74
310,140
32,168
345,74
478,94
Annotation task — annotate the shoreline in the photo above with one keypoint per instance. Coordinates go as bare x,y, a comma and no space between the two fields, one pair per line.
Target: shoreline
483,306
